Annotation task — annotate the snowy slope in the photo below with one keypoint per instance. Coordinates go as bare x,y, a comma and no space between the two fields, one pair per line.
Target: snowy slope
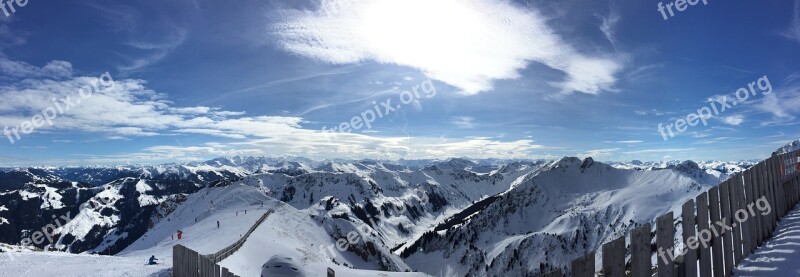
75,265
541,223
292,233
197,217
778,256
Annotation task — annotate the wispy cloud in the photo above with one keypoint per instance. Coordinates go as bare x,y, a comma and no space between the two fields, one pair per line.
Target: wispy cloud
604,153
18,69
462,50
151,35
793,32
609,22
464,122
626,141
783,104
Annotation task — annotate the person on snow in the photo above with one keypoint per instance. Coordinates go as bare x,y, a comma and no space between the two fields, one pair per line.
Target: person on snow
217,224
152,260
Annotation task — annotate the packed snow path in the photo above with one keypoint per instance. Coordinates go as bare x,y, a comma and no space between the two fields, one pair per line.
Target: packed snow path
780,255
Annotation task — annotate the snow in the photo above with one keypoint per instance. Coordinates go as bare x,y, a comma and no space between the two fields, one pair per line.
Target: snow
67,265
206,206
780,254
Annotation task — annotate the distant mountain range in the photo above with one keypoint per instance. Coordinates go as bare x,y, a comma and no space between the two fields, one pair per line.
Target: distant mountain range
454,217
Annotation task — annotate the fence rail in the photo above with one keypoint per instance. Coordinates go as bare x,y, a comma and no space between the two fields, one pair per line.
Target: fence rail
712,222
188,263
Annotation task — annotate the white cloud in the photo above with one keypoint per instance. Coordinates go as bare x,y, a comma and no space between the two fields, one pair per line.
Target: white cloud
130,110
734,120
476,43
52,70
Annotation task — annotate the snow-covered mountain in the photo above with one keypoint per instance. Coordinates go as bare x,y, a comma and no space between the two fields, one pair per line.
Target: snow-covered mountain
454,217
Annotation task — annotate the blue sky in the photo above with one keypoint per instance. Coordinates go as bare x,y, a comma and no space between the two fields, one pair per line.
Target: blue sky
505,79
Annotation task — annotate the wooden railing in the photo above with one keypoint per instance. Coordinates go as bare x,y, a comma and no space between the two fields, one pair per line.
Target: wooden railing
188,263
719,249
230,249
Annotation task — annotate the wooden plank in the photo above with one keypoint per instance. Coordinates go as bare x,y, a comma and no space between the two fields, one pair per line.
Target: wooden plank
216,270
176,261
727,238
688,223
614,258
225,272
751,222
704,253
759,186
737,201
763,187
641,251
583,266
716,243
665,241
191,264
773,187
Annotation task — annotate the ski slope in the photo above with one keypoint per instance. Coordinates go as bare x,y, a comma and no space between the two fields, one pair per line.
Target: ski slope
206,206
226,205
293,233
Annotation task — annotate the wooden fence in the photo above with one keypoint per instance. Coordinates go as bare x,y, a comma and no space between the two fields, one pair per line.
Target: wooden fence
720,249
188,263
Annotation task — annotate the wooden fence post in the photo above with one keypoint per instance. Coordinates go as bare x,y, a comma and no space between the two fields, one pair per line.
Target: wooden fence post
727,238
703,226
716,242
641,251
614,258
665,241
751,221
583,266
688,219
177,261
737,203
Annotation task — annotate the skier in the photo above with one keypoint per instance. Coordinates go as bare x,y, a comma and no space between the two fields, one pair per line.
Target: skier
180,234
152,260
217,224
